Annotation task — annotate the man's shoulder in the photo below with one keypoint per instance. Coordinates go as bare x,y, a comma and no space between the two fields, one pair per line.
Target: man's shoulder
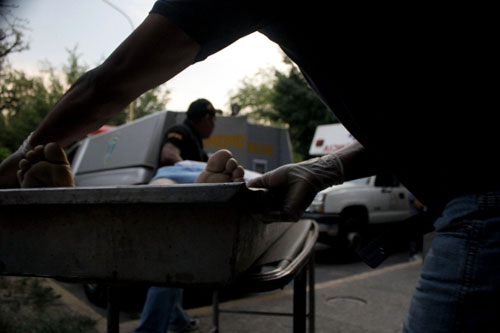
178,132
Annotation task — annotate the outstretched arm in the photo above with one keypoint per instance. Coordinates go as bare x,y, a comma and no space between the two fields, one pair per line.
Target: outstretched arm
155,52
297,184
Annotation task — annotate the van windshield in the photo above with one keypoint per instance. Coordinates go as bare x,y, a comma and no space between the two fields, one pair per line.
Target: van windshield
360,181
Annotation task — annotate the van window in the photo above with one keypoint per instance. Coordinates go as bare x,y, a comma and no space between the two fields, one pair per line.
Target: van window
259,166
360,181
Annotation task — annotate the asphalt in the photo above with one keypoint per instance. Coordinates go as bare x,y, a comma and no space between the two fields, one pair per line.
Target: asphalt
375,301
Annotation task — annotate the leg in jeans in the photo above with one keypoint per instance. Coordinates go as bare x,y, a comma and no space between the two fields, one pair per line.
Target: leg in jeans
459,287
179,319
161,307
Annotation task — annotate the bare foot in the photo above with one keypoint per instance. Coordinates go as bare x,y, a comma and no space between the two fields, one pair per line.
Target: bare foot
163,181
221,168
45,166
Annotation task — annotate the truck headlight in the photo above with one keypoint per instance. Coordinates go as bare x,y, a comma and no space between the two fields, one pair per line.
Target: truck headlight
318,204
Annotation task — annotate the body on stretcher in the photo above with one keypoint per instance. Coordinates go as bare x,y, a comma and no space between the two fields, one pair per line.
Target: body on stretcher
187,172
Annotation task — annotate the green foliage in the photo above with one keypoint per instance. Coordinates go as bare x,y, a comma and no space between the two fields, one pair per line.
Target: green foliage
255,98
285,99
27,305
73,69
297,104
25,100
150,102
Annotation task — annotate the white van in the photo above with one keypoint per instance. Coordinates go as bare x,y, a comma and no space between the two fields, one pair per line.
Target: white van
129,154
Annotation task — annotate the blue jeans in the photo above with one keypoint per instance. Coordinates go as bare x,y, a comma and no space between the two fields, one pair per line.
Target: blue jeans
459,287
162,311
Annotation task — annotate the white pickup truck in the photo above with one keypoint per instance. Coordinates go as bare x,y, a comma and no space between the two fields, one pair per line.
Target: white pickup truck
347,213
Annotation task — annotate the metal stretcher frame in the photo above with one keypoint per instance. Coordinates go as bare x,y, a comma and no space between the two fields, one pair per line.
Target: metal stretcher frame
296,265
207,233
124,234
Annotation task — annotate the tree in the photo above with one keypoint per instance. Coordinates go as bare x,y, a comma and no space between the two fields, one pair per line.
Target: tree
150,102
255,98
73,69
11,33
285,99
299,106
24,100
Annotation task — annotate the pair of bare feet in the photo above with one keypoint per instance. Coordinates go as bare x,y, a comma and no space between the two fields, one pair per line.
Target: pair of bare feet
48,166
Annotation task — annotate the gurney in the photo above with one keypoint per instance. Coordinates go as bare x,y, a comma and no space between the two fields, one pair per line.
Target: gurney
190,235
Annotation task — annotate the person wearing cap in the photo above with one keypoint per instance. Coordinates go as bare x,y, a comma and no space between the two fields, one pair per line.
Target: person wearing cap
184,141
163,310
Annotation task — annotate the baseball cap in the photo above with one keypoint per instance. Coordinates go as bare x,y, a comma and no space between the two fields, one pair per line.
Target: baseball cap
199,108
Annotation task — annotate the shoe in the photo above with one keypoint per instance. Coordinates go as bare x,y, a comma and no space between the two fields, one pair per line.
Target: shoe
192,326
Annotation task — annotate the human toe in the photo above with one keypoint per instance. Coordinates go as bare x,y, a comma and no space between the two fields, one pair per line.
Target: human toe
54,153
35,155
218,161
231,165
238,173
24,164
23,167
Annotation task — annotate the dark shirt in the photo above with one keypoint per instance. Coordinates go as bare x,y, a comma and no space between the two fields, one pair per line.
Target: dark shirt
413,82
184,137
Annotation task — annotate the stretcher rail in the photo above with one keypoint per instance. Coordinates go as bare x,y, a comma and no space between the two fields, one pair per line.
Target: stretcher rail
190,234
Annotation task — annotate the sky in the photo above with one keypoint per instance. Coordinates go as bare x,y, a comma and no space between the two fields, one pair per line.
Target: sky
96,28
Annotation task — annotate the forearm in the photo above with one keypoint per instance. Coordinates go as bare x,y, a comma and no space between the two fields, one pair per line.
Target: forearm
170,154
349,163
83,109
153,54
